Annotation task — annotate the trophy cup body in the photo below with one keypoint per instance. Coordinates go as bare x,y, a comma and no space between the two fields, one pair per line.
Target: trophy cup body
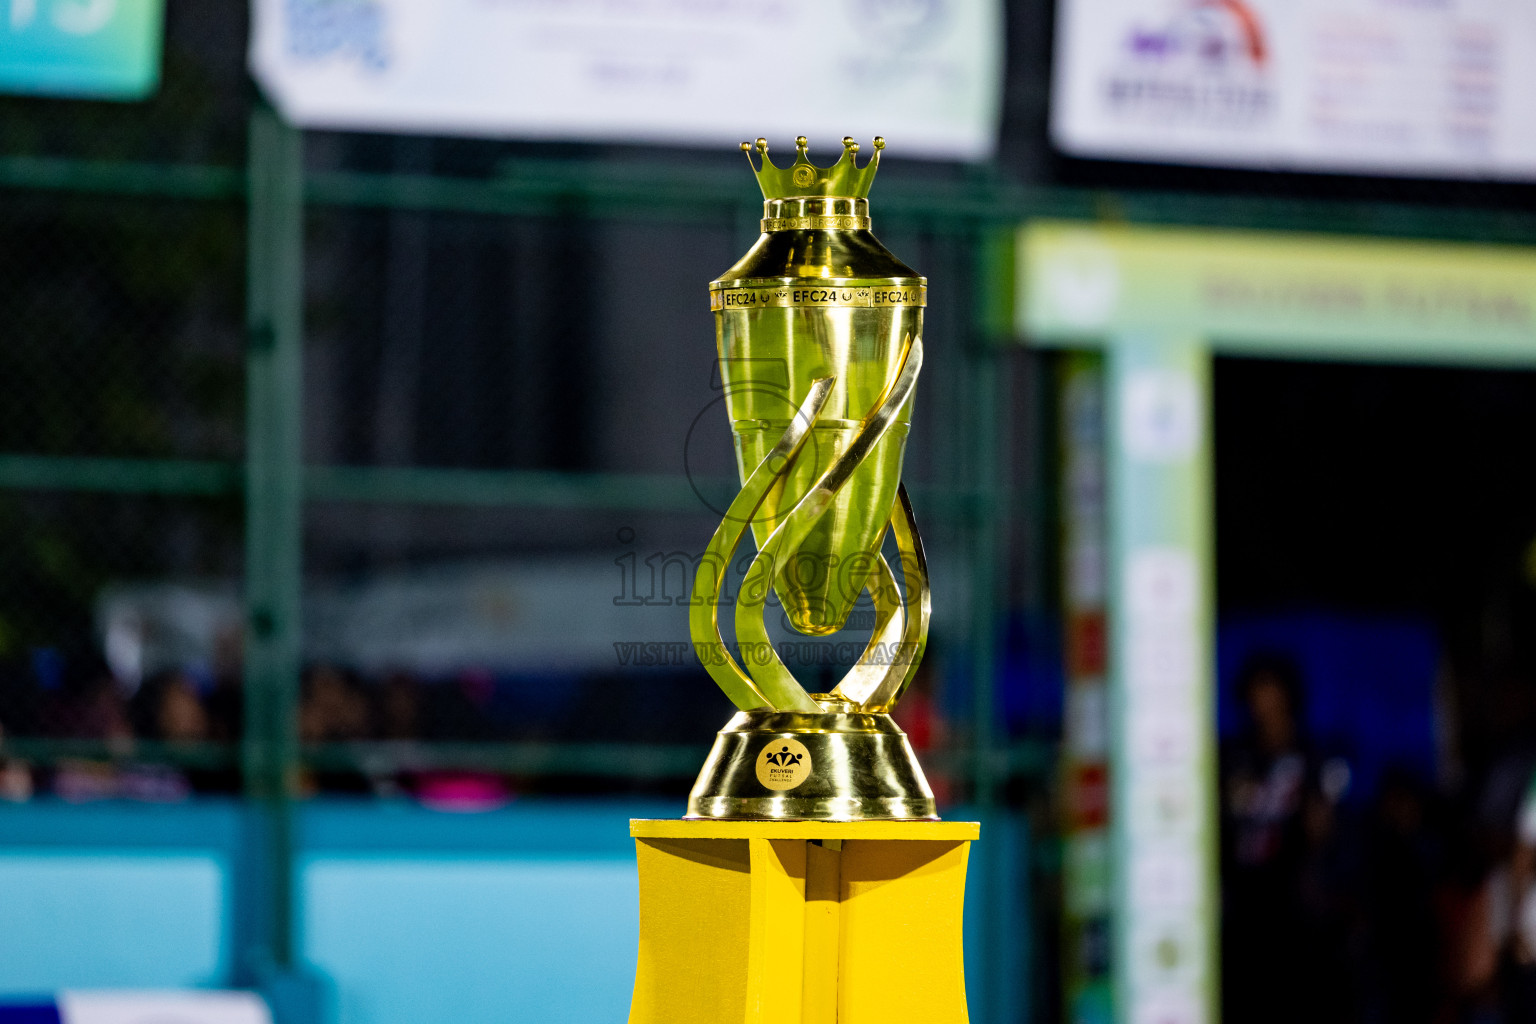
808,303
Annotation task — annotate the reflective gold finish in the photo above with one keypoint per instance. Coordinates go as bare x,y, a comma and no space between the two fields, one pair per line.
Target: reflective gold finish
843,180
819,336
862,767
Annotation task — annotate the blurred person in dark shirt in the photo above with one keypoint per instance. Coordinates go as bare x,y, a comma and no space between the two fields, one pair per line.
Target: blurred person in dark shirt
1285,884
1406,856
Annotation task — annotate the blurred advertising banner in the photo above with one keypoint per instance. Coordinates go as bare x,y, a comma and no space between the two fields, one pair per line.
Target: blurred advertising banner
1279,294
140,1007
102,49
162,1008
926,74
558,615
1411,87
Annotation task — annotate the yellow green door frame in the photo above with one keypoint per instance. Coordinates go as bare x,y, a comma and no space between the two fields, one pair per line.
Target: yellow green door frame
1159,302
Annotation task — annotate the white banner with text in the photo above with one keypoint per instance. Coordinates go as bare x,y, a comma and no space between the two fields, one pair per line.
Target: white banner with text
1435,88
926,74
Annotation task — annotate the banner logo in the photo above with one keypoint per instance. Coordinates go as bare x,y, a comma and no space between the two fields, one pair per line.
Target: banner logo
1207,63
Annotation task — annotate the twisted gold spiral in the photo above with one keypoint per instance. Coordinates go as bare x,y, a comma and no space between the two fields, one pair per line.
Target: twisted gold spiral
760,681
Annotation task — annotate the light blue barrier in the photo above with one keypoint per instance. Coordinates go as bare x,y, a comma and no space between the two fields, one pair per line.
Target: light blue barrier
130,920
526,913
116,896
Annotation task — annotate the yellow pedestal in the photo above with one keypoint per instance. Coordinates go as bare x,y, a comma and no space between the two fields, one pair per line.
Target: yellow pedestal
809,922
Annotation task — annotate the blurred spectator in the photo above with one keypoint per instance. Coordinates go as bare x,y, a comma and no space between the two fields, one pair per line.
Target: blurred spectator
400,707
395,771
1472,920
1285,918
21,700
461,709
15,775
226,699
169,709
1520,983
333,709
226,709
89,703
1406,865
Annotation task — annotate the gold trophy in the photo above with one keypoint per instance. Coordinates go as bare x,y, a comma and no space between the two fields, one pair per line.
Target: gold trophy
819,335
794,892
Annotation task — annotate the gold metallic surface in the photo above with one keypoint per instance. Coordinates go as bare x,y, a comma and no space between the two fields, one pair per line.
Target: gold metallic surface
804,295
819,336
862,767
776,556
879,691
703,609
827,213
769,354
844,179
817,223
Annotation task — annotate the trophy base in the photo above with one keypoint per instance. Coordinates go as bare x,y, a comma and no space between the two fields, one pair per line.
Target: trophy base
840,765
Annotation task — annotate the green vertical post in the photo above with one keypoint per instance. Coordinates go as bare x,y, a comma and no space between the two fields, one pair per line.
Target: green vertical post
273,519
1162,704
985,455
986,438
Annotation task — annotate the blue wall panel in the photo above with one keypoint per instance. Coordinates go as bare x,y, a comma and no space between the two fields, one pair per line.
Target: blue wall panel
410,915
472,940
118,920
529,913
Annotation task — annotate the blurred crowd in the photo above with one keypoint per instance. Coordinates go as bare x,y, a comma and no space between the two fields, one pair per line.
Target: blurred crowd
1411,904
177,733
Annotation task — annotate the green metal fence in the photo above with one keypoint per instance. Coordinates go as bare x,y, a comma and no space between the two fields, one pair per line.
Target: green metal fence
258,485
252,487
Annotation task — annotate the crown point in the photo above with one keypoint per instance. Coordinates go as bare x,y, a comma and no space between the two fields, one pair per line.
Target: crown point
801,178
879,142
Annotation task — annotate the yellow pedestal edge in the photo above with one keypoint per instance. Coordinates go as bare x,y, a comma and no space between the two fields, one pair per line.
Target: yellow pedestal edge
680,828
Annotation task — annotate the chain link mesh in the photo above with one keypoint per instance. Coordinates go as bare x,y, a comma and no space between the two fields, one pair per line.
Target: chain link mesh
490,628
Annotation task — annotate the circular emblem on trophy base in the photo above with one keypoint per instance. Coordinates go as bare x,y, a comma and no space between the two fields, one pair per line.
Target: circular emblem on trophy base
783,764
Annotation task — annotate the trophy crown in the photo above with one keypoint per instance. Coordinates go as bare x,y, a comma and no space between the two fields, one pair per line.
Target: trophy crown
803,178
